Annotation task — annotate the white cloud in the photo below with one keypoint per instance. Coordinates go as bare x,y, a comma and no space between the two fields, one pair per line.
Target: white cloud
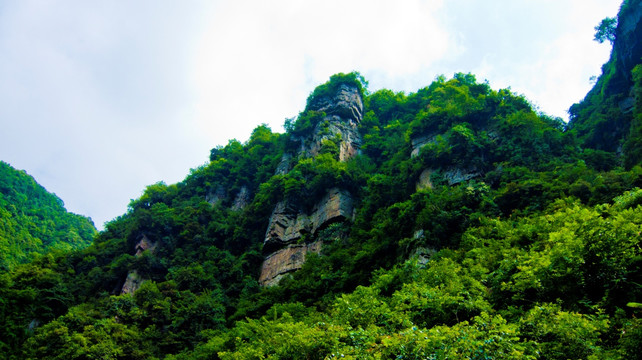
98,100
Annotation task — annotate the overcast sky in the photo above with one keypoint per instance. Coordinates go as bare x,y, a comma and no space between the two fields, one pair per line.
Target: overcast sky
99,99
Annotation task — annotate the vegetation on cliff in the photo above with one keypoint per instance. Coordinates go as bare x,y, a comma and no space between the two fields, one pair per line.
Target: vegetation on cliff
482,229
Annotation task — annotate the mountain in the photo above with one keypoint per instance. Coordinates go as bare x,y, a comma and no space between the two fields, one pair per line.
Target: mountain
608,119
34,221
453,222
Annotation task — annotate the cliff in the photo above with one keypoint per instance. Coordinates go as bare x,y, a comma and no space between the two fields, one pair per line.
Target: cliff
292,231
602,120
134,279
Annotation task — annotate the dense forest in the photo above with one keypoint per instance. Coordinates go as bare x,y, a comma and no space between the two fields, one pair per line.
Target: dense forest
453,222
33,221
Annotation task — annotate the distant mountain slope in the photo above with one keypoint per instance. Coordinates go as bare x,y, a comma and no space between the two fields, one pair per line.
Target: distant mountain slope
33,220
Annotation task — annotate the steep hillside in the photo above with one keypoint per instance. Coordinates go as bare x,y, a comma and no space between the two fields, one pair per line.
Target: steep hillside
610,112
33,221
453,222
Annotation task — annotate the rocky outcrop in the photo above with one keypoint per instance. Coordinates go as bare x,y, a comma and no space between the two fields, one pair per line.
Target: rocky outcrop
289,225
132,283
292,232
216,195
144,244
343,113
289,229
286,260
420,142
458,175
336,205
424,181
284,166
242,199
345,103
134,280
452,175
628,44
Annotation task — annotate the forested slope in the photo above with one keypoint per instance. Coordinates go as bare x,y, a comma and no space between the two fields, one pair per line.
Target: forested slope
33,221
452,222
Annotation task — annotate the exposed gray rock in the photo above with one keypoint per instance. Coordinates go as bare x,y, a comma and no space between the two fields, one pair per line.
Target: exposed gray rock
336,205
346,103
457,175
423,255
420,142
132,283
343,115
628,44
424,181
242,199
289,227
216,195
284,166
144,244
135,280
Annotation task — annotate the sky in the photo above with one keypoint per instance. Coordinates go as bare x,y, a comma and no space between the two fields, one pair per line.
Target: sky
99,99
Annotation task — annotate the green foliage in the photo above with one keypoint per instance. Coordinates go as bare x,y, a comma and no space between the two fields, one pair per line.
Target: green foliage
33,221
482,229
606,30
633,144
353,79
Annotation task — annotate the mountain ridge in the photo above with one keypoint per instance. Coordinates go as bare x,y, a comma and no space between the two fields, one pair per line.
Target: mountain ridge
452,222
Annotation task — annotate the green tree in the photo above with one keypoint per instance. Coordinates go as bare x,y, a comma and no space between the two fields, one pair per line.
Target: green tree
605,31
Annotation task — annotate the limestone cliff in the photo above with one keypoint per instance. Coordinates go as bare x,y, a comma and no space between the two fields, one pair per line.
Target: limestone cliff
134,280
292,232
628,44
343,113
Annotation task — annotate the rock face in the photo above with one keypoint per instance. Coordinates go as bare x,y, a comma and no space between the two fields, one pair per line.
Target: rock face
420,142
288,225
134,280
344,112
288,229
144,244
284,261
216,195
242,199
453,175
292,233
132,283
628,44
